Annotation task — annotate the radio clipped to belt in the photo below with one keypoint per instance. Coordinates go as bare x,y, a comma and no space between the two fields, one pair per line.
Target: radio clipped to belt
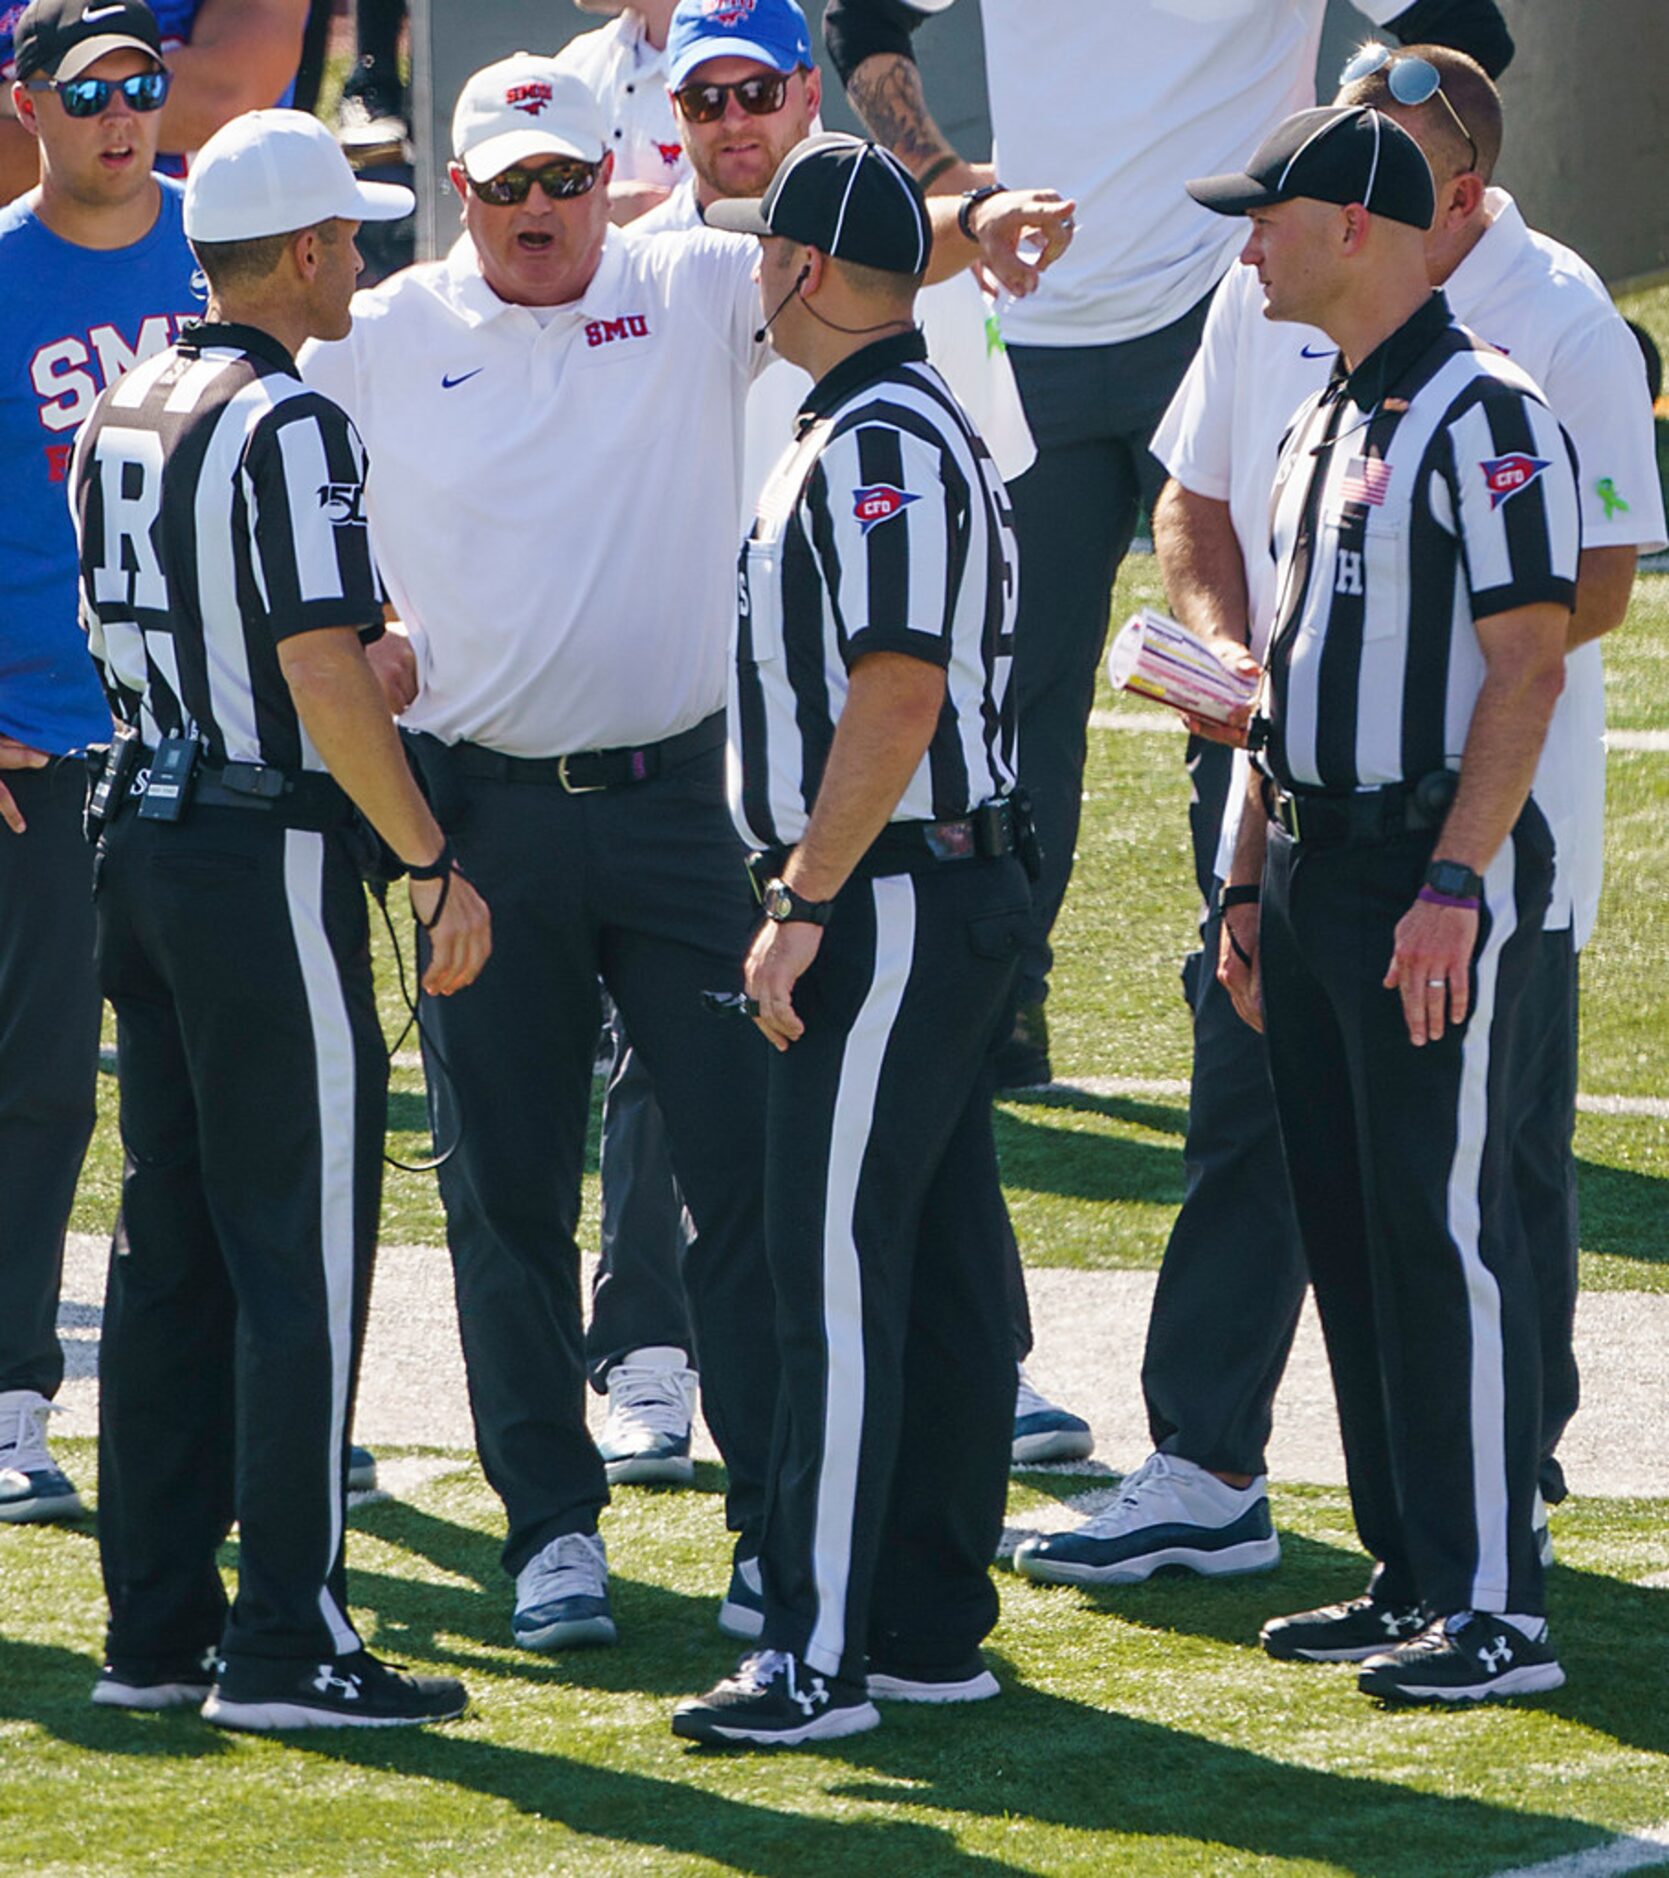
110,781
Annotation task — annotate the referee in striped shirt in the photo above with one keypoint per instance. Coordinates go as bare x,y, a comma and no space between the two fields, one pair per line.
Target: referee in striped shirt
227,584
1426,534
872,753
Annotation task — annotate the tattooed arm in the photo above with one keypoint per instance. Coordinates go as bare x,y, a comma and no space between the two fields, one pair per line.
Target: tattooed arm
869,42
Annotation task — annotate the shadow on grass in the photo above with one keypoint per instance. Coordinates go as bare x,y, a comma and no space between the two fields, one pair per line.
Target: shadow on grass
1623,1212
1040,1157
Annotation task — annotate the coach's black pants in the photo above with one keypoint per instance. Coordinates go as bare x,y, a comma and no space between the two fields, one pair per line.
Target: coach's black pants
253,1104
1232,1283
883,1221
49,1037
1401,1165
1092,411
645,887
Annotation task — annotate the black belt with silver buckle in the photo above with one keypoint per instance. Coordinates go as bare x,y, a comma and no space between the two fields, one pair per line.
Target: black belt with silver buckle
1365,814
587,771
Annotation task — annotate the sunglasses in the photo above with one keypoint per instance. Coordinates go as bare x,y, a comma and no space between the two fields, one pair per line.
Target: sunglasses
759,97
1411,81
561,181
89,97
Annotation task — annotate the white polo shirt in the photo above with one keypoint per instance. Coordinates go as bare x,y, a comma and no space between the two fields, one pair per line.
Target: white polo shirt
629,77
554,494
962,341
1118,105
1543,306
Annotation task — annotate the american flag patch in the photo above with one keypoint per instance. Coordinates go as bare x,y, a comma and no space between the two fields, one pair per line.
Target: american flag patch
1366,480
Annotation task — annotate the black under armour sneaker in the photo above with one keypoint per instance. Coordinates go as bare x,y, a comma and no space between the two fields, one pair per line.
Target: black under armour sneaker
157,1682
1342,1633
775,1700
261,1695
1469,1657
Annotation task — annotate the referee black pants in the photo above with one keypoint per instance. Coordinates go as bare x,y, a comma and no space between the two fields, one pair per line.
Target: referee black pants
1400,1162
884,1223
253,1105
49,1039
644,886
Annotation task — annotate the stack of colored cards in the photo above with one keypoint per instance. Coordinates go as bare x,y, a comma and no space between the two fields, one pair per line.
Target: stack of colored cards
1155,657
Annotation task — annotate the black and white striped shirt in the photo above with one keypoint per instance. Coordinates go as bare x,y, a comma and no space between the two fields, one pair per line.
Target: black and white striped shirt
1426,490
219,506
884,528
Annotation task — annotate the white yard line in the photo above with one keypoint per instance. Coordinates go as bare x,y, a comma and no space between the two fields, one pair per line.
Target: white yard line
1629,1853
1656,741
1655,1108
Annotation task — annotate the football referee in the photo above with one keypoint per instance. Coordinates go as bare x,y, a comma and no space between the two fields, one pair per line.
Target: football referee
871,741
227,584
1426,533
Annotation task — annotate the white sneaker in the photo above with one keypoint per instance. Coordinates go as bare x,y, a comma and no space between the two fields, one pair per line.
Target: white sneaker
651,1403
1043,1431
32,1485
1169,1512
562,1595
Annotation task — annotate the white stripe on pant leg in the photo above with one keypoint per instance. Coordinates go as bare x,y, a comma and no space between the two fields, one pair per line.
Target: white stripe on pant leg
843,1402
333,1056
1488,1381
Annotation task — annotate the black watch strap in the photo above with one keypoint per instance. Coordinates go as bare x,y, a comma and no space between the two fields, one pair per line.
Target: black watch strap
1455,880
1247,894
783,905
971,199
439,867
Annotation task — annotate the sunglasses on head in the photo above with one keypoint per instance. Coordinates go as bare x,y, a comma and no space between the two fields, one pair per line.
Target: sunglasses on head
1411,81
561,180
88,97
759,97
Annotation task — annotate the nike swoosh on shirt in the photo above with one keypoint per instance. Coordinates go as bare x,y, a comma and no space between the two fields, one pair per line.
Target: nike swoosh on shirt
1310,352
446,383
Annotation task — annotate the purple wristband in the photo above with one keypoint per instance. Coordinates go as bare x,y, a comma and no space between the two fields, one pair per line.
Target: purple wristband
1467,903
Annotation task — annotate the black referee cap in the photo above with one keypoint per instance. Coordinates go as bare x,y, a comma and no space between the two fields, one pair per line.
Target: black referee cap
1341,154
849,198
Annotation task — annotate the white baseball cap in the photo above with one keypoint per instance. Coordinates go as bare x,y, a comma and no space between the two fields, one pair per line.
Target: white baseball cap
525,106
272,172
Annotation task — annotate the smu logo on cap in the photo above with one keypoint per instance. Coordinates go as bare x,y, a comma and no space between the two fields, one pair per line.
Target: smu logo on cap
531,97
879,503
726,12
1505,475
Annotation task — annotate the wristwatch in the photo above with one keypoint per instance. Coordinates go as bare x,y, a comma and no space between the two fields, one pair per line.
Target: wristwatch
971,199
1455,880
783,904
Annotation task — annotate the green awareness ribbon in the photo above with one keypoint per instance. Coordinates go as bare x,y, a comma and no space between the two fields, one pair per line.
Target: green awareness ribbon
1606,490
994,337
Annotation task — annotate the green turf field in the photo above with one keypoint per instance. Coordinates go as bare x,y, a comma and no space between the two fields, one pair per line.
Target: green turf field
1141,1732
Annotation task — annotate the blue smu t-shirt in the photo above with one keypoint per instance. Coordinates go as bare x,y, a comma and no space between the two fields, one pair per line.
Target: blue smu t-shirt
174,18
72,320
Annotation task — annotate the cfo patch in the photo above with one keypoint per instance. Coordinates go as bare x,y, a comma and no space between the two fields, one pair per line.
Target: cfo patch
879,503
1506,475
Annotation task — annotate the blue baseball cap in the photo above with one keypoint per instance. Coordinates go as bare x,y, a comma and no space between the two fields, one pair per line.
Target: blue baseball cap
772,31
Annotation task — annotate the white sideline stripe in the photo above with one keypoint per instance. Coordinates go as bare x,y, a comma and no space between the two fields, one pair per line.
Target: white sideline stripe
844,1385
1160,723
1629,1853
333,1062
1650,1108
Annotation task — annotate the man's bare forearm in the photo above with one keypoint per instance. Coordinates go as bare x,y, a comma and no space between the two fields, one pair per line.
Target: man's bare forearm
885,91
1200,559
343,710
891,711
1252,841
1604,582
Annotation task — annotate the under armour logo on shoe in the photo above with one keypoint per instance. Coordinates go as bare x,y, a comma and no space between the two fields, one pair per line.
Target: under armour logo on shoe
1497,1656
809,1699
1400,1623
326,1681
